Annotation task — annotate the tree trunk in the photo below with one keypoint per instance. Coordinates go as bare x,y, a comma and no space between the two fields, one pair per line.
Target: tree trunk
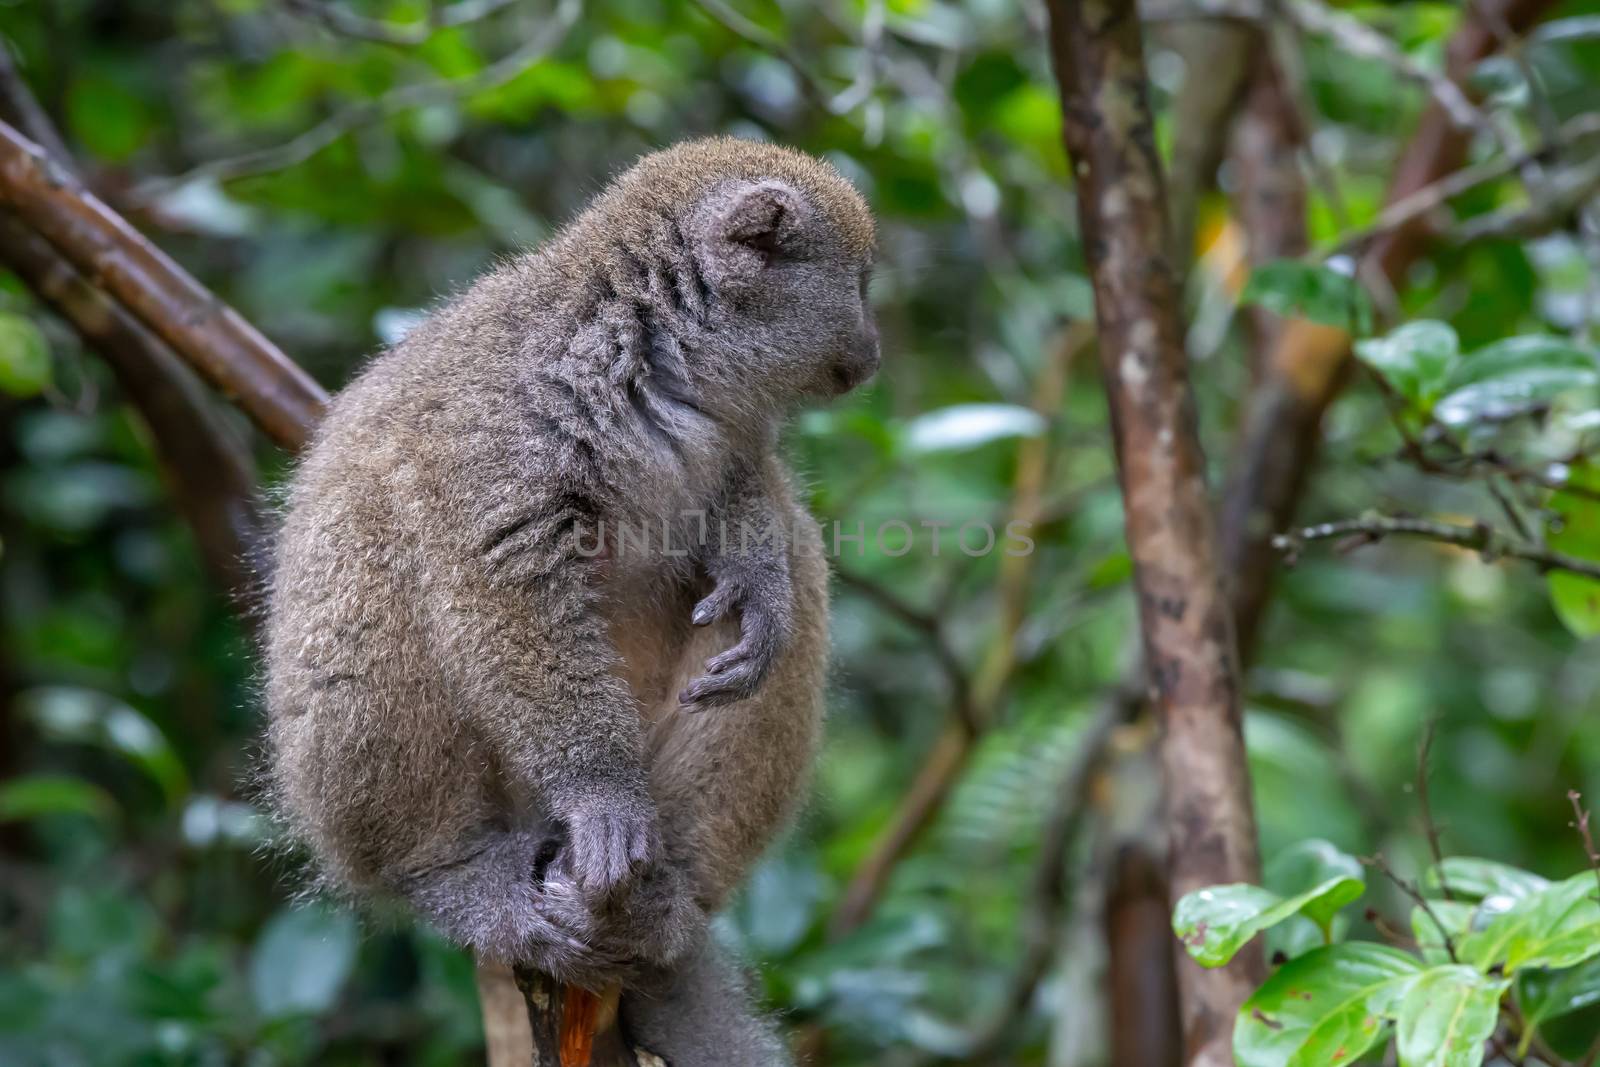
1185,622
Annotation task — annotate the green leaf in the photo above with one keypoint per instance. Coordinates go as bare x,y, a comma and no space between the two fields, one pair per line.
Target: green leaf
87,717
1576,531
36,795
1214,923
1558,926
1416,360
1308,864
1324,1008
1474,879
1318,293
1550,994
302,961
1513,376
1446,1016
24,356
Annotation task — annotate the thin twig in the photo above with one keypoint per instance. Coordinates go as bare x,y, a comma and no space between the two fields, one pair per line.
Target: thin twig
1582,824
347,23
1429,826
1381,865
1557,201
1431,197
811,84
1350,34
930,626
309,142
1489,542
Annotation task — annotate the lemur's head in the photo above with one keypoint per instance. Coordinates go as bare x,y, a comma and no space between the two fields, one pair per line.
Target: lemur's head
777,248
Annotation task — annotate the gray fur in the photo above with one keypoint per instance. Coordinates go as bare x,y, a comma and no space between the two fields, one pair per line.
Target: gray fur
559,758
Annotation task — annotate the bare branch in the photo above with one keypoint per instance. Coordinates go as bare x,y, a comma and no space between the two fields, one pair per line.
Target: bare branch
232,354
1556,203
811,84
1359,39
343,21
948,757
929,625
308,143
1350,34
1421,202
1581,824
1309,363
1430,826
1381,865
1487,541
209,470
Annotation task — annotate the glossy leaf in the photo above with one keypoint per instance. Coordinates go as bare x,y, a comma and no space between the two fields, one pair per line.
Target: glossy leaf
1324,1008
1513,376
1318,293
1550,994
1446,1016
1558,926
1454,916
1214,923
1417,360
1473,879
970,425
1308,864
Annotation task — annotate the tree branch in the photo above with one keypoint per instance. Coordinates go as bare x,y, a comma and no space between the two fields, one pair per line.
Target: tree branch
208,470
1184,615
1308,363
308,143
232,354
347,23
1492,544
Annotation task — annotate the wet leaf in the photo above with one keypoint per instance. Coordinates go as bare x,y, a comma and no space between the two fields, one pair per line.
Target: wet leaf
1324,1008
1214,923
1416,360
1446,1016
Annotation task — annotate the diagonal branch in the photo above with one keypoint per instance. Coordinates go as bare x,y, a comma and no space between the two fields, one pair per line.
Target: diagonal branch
208,468
343,21
232,354
1490,543
308,143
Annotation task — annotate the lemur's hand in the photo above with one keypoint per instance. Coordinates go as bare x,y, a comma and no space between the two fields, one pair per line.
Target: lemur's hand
612,836
755,583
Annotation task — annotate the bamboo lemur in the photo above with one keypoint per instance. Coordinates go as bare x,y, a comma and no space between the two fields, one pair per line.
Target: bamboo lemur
548,748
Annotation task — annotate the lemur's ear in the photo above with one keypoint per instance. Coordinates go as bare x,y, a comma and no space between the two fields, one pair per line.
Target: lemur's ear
762,217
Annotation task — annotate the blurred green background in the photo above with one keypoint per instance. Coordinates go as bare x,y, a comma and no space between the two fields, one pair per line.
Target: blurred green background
141,922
